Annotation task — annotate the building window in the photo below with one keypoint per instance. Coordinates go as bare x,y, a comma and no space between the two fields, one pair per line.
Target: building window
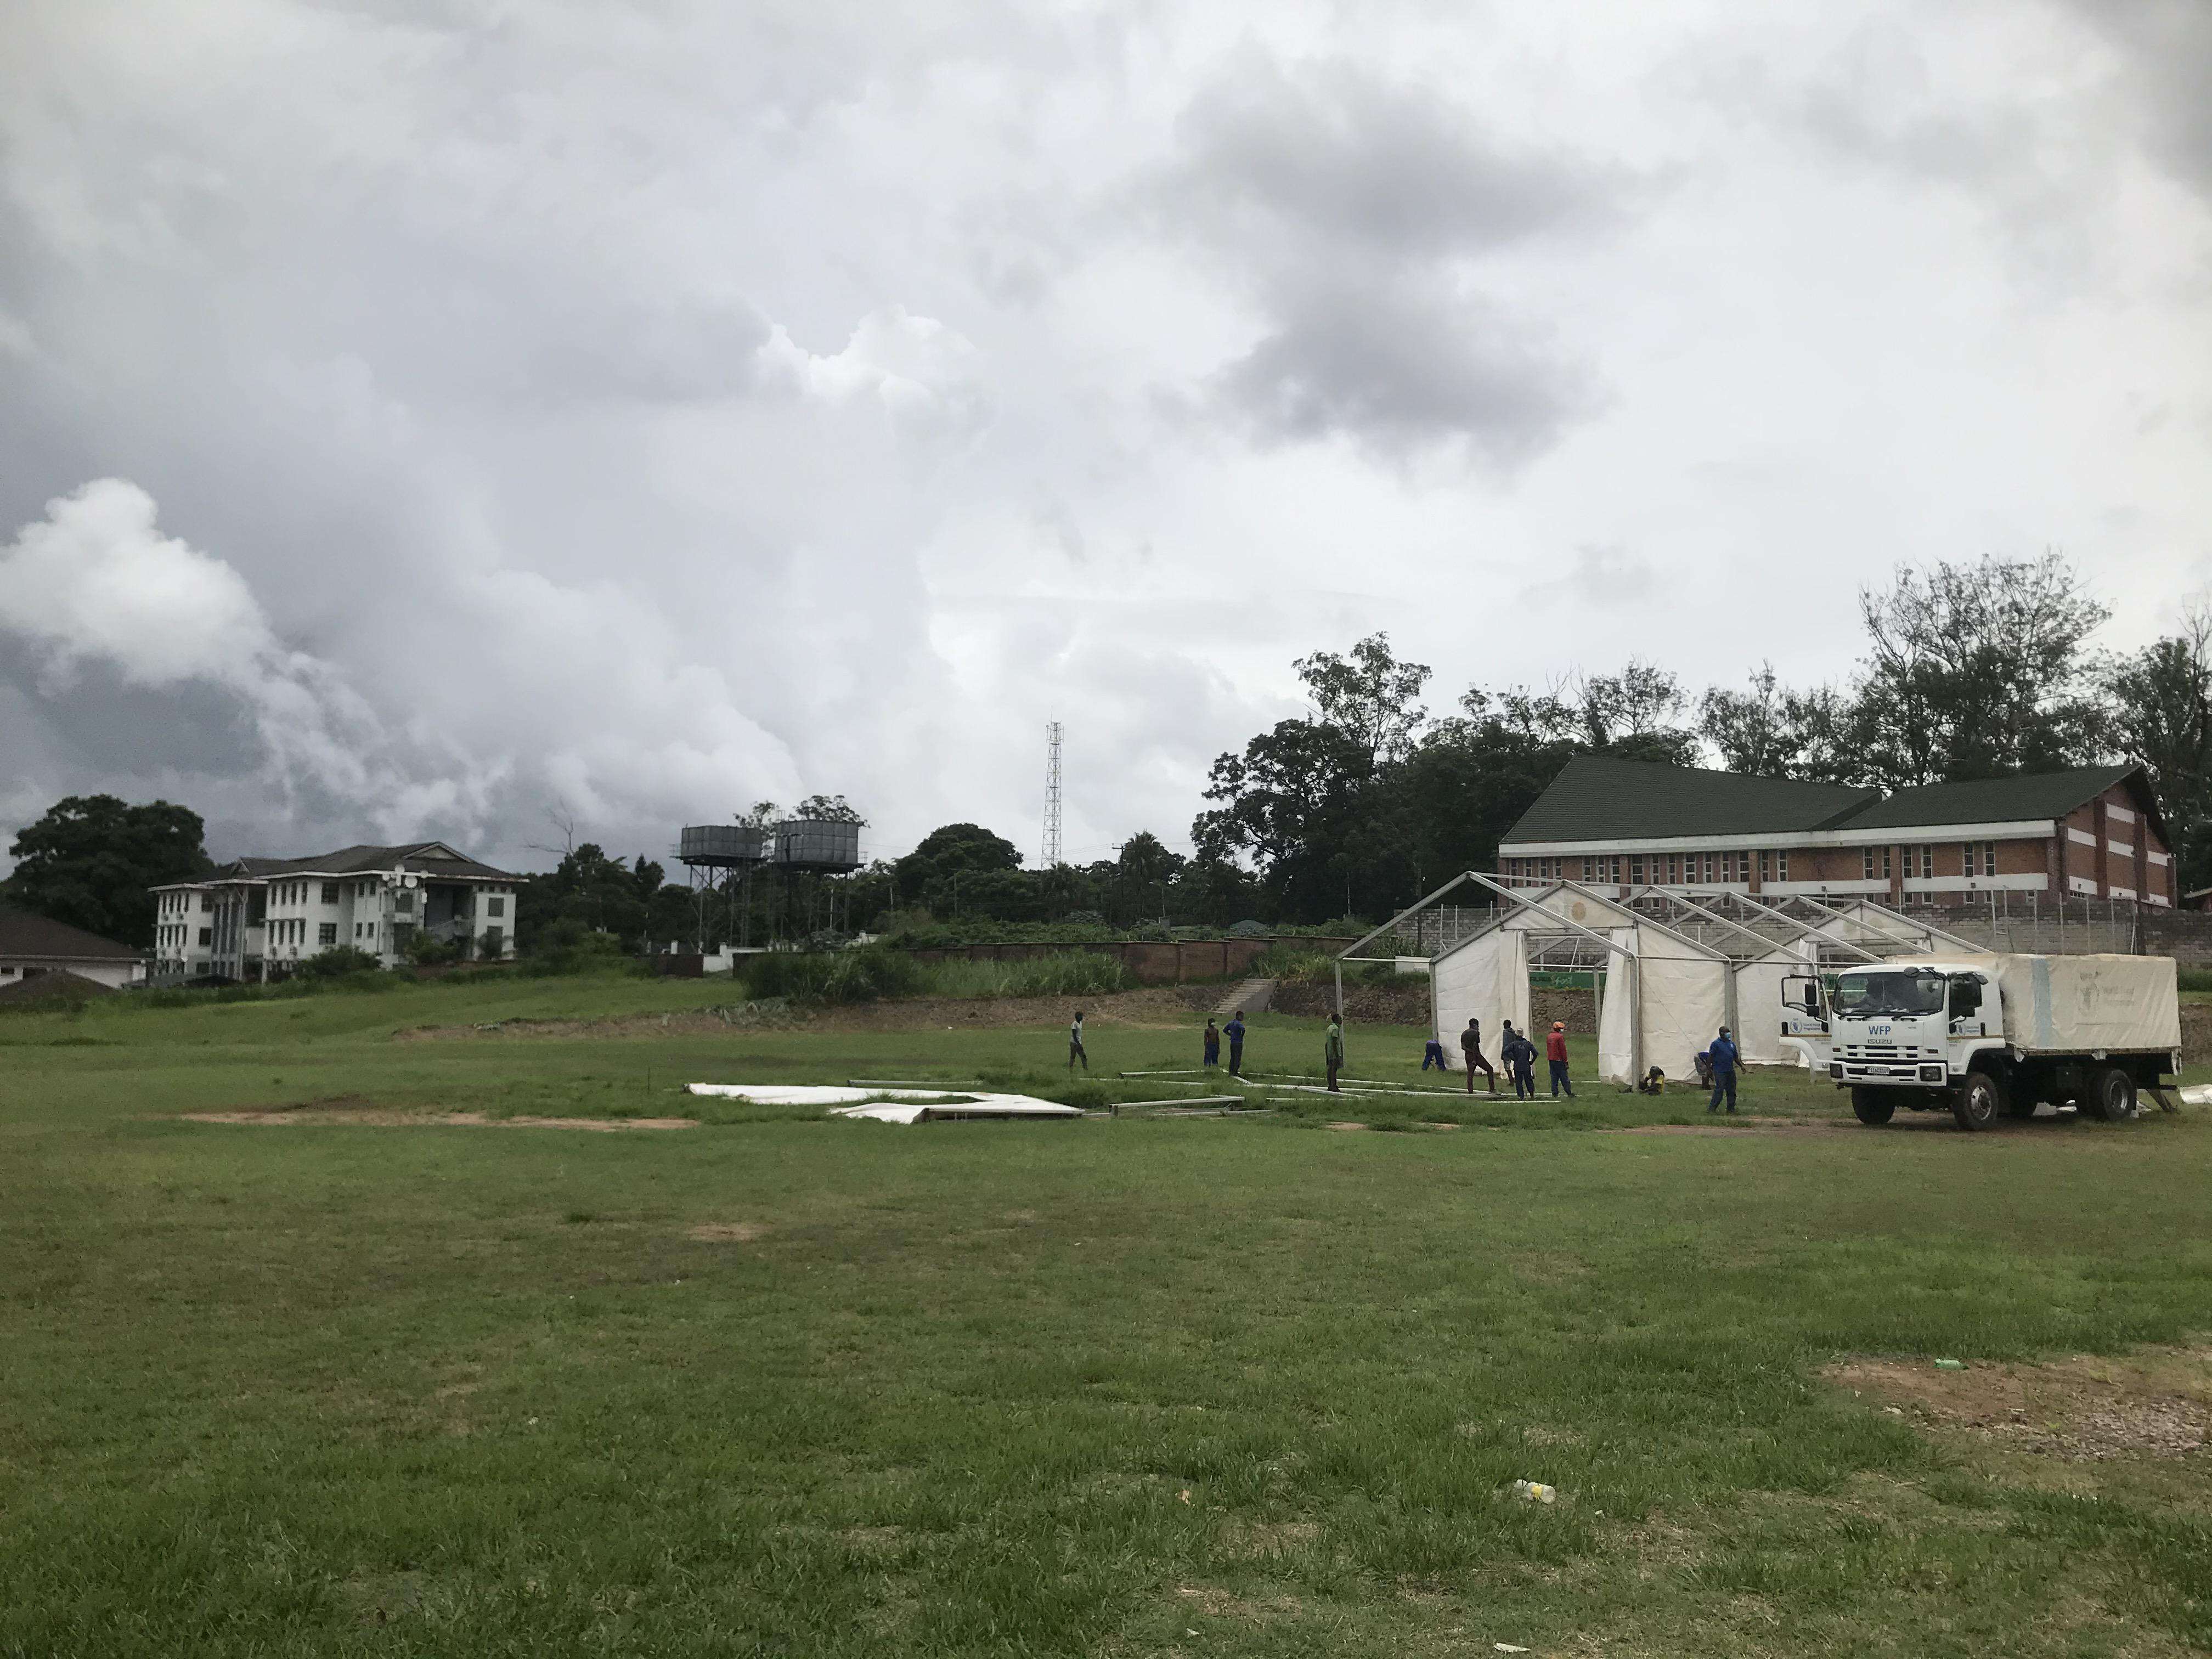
1927,863
1636,870
1988,858
330,892
1782,866
207,937
1765,867
327,933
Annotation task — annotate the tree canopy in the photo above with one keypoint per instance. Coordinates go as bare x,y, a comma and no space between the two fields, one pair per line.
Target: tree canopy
89,860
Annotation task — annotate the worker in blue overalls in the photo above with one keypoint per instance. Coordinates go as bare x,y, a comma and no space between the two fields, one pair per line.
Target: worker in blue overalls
1724,1056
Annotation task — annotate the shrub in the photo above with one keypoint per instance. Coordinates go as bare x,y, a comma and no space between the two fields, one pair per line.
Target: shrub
338,964
836,976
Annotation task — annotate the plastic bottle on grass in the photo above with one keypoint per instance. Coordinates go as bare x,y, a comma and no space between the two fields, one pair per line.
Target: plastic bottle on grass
1535,1491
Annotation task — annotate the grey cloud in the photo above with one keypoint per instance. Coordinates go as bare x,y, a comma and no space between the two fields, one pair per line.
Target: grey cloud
1601,578
1359,215
1341,157
2167,49
1399,365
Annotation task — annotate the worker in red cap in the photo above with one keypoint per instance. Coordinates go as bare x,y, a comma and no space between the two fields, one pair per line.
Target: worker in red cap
1555,1050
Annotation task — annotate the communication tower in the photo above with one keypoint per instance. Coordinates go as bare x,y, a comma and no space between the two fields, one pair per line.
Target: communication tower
1052,847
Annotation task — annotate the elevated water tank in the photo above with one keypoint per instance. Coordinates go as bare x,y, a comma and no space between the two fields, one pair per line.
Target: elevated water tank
722,845
818,844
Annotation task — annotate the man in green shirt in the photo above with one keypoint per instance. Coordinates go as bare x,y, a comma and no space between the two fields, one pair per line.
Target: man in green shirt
1333,1050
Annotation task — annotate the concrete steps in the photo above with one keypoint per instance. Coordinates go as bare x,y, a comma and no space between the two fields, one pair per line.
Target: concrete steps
1252,996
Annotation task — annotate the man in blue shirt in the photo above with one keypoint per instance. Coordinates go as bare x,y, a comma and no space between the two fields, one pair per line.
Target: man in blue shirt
1722,1055
1234,1032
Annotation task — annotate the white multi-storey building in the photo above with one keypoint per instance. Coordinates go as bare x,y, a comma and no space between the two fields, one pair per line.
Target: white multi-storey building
260,917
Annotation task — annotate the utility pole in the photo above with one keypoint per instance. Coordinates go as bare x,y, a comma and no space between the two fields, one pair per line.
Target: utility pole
1052,842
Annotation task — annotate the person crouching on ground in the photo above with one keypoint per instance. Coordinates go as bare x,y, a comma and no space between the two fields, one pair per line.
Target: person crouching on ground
1555,1050
1075,1043
1434,1055
1332,1050
1470,1055
1721,1053
1213,1046
1654,1083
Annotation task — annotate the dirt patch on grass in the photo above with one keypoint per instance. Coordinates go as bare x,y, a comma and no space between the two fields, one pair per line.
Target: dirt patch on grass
2157,1403
379,1117
728,1232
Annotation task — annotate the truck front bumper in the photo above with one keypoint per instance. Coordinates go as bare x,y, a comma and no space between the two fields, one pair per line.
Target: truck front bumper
1889,1074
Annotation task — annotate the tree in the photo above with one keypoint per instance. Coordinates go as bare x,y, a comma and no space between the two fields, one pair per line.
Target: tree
90,859
1775,732
827,809
1978,671
950,849
1369,696
1631,714
589,892
2160,713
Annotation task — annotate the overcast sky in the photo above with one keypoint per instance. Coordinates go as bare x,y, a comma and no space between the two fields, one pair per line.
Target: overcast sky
418,418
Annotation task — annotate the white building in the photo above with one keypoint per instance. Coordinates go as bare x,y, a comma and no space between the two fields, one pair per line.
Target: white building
34,945
260,917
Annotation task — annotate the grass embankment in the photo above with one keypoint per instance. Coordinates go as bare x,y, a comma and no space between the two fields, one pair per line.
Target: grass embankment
1133,1386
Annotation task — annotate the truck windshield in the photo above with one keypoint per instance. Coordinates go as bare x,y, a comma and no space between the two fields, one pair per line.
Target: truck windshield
1860,995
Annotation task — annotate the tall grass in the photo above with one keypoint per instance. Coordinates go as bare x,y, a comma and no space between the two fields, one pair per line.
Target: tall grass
875,974
1062,974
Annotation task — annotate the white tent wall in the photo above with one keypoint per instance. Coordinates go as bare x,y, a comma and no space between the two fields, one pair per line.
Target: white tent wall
1758,1026
1616,1017
1683,1000
1487,979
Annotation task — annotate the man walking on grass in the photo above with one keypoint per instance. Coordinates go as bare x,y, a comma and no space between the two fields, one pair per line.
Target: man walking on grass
1470,1049
1555,1050
1075,1043
1333,1050
1234,1032
1723,1055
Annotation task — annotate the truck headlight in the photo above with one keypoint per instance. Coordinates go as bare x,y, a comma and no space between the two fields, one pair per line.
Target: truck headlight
1836,1070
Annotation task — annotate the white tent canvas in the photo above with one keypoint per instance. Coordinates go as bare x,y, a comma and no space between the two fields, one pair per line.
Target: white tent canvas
1758,1000
1682,995
1484,978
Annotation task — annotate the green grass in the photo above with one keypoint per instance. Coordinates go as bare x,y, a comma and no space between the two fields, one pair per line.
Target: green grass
1030,1388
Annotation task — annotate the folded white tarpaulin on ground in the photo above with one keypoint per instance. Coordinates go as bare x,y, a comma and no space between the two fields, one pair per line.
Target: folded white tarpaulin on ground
974,1106
888,1105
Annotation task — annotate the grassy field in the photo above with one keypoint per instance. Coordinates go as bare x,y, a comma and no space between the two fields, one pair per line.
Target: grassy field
1133,1385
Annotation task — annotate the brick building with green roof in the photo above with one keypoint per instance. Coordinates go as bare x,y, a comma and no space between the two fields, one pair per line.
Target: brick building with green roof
1619,824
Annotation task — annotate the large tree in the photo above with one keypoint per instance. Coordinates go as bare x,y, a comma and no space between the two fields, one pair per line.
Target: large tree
1976,670
90,859
2161,714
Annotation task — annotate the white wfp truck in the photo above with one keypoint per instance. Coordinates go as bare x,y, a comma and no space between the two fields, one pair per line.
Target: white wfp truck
1990,1036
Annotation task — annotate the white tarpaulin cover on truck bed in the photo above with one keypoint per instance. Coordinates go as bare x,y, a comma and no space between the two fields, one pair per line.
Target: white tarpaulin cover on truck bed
2068,1004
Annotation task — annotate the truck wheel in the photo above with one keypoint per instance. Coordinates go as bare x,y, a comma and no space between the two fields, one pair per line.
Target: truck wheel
1872,1107
1977,1100
2110,1096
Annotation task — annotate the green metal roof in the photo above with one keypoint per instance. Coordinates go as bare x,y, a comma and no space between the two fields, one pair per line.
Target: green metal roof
1596,797
1990,800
